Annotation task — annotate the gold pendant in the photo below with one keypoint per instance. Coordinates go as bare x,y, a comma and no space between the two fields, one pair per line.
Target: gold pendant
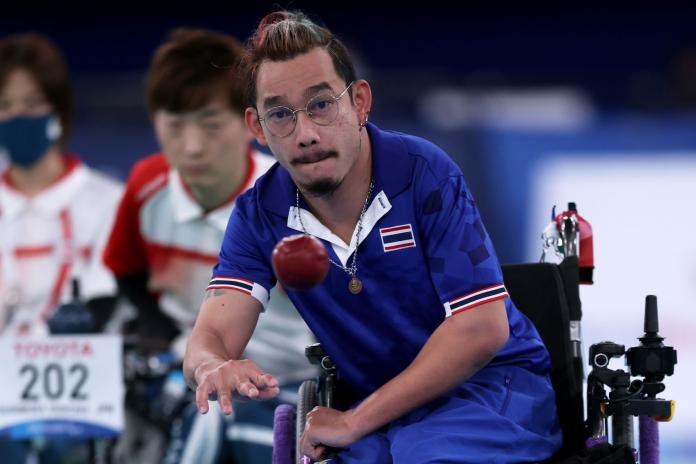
355,286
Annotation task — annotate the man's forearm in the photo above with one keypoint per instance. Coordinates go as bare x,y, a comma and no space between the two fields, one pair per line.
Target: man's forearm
443,363
224,325
202,347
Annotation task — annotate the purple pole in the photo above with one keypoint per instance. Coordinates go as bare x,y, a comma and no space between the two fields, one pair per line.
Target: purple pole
649,440
284,434
592,441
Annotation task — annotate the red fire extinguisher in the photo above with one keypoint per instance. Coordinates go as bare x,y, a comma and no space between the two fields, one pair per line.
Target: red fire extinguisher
576,234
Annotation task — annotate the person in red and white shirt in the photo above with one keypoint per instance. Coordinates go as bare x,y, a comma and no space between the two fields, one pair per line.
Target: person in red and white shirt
173,215
55,212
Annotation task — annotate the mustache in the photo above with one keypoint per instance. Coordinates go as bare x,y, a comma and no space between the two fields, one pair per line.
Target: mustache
314,157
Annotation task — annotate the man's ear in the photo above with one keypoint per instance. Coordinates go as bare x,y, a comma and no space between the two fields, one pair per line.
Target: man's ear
362,99
252,121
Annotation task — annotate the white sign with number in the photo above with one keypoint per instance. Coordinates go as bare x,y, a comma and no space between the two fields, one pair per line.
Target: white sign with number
65,385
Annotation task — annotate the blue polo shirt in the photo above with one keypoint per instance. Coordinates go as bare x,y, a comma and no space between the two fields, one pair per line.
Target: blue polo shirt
424,255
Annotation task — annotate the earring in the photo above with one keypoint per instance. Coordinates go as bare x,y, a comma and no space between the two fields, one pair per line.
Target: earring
363,122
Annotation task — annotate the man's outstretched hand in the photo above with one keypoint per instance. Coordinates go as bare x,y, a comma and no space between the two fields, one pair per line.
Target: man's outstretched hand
223,378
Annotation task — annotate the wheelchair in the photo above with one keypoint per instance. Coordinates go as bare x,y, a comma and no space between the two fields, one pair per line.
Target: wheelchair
548,294
289,422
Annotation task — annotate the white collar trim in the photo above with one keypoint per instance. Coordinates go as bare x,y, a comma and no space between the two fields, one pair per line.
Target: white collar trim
379,206
185,208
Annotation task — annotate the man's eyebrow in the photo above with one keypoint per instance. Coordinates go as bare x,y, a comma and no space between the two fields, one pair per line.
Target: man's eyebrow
309,91
276,100
210,112
270,102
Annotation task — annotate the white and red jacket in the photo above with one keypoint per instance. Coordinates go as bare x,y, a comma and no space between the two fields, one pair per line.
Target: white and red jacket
161,229
50,238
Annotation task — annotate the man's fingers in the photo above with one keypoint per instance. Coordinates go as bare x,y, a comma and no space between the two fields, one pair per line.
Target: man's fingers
266,381
259,386
221,383
266,387
202,393
317,453
268,393
225,401
248,389
309,448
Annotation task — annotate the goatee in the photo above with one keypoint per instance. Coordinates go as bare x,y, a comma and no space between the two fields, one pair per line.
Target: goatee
322,187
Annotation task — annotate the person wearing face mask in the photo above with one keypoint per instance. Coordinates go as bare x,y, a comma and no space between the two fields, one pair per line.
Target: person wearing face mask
55,212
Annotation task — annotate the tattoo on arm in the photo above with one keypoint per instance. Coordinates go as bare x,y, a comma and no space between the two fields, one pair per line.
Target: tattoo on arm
214,292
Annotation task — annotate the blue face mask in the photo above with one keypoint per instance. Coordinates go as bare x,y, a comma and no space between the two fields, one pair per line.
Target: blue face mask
27,138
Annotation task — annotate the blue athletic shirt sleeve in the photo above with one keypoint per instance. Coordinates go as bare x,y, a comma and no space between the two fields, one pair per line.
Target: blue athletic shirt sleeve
242,266
463,265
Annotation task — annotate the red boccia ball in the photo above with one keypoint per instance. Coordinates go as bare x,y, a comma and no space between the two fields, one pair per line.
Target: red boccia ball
300,262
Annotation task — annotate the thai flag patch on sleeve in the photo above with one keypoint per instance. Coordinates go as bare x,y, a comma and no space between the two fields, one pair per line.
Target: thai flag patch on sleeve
231,283
473,299
397,237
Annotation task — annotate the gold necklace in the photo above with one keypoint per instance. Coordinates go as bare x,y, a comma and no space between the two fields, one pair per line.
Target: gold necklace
355,286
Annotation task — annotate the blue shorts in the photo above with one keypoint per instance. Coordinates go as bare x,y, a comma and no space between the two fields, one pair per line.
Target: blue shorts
501,415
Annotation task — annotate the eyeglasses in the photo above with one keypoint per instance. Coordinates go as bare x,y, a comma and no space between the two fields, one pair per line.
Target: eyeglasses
322,109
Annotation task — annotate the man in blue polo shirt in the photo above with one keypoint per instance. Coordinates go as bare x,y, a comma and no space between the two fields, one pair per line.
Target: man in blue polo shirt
414,313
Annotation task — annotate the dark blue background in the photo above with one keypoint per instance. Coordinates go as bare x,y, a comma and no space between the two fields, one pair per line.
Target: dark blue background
634,62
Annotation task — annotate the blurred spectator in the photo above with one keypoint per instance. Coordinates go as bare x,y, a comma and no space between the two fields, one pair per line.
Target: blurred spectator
171,222
55,212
